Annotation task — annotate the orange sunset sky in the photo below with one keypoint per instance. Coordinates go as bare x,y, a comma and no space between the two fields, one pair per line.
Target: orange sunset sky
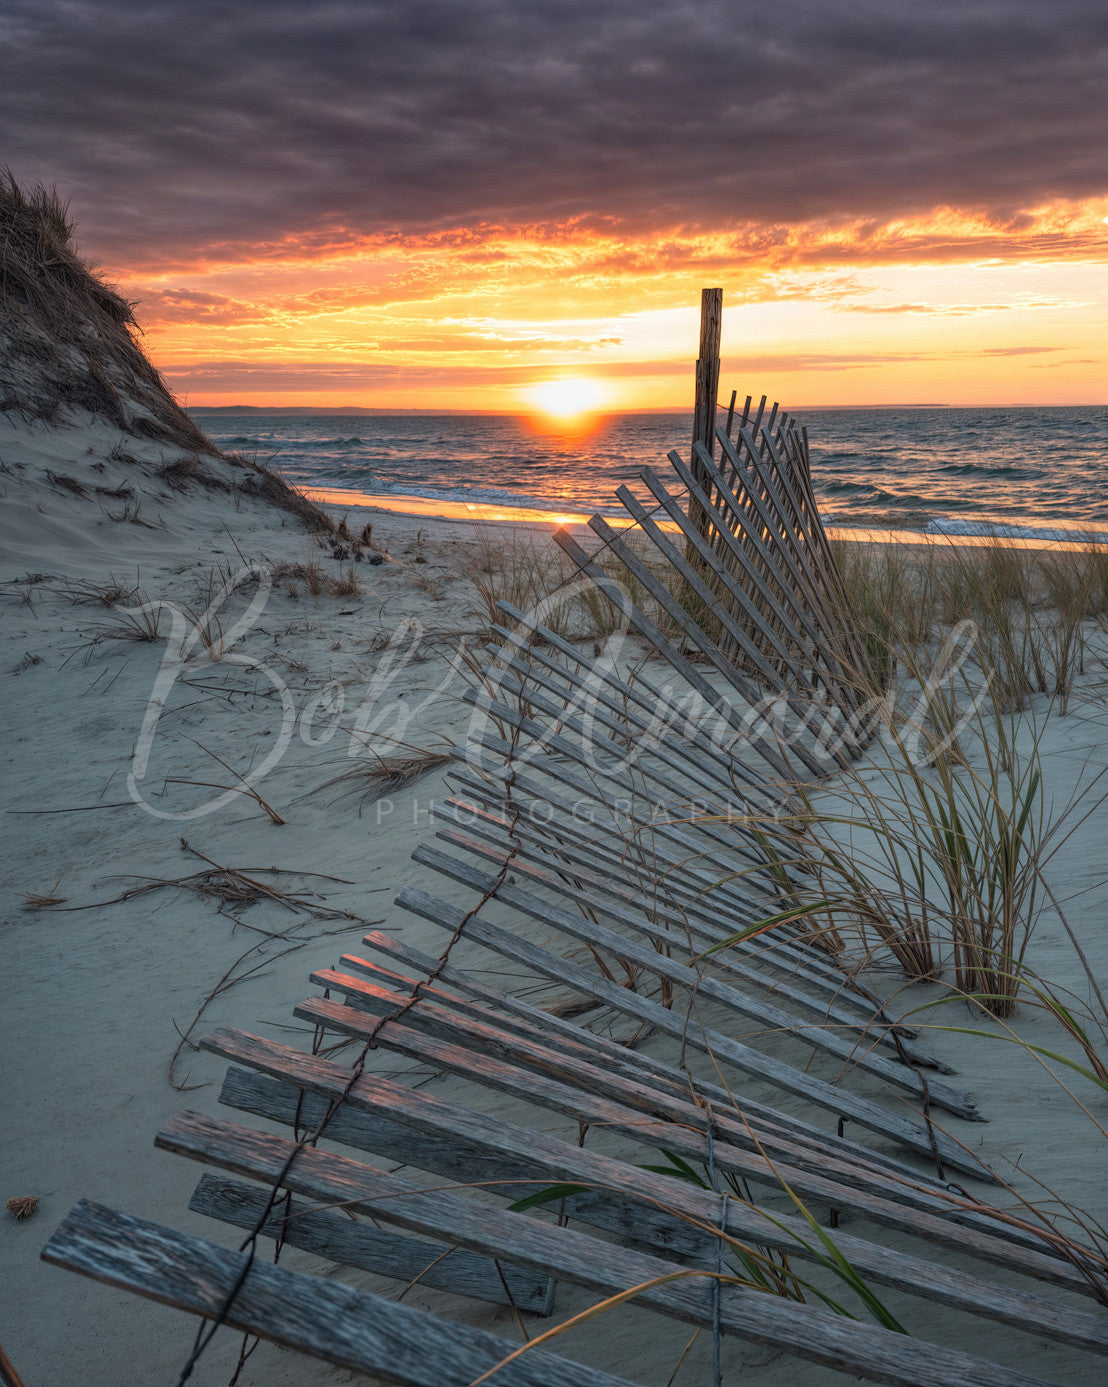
450,206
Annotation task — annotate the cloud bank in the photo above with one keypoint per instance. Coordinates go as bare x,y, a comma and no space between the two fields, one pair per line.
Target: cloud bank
204,129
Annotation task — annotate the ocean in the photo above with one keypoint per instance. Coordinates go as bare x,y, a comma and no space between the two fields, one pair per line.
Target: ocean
1012,472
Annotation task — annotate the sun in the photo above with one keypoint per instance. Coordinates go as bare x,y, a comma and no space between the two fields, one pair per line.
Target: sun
568,396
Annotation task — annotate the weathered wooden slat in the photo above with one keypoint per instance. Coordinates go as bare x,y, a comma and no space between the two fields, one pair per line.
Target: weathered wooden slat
653,782
546,735
376,1111
798,548
351,1329
725,882
856,1052
803,1143
658,1088
731,849
807,521
652,879
678,931
776,754
467,1051
659,874
570,1088
658,641
797,690
723,614
823,1174
778,487
710,890
356,1244
698,850
754,517
571,1256
668,877
364,1123
801,646
787,1234
578,927
775,1131
589,705
790,557
794,615
644,707
711,1042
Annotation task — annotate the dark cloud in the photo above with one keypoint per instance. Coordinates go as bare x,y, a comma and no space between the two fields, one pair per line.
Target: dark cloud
175,128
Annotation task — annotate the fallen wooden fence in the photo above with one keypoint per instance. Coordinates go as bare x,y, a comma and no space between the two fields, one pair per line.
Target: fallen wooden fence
616,849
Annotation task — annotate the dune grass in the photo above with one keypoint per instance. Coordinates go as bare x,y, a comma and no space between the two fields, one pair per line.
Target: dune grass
517,565
936,846
1034,610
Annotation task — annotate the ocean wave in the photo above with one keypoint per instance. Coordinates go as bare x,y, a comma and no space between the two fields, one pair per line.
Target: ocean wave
867,494
973,469
996,529
489,496
1042,469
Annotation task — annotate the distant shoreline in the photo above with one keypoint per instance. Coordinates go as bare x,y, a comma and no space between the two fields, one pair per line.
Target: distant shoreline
338,411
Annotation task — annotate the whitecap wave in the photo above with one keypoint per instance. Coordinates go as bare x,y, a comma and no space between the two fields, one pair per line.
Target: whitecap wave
995,529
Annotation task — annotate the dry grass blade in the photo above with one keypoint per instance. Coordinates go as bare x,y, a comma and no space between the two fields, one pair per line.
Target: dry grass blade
243,787
44,900
389,773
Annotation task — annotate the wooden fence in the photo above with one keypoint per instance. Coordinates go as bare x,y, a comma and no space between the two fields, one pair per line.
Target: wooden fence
681,1103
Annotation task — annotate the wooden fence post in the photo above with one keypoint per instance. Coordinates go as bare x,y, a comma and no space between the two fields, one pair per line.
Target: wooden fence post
707,388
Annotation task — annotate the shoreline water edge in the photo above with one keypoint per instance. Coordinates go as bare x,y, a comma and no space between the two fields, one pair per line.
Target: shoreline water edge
1006,474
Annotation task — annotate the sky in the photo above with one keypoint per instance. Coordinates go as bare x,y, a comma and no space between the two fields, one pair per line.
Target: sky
488,204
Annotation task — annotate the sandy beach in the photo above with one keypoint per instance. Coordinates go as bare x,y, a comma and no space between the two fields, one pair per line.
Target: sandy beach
231,715
125,938
554,693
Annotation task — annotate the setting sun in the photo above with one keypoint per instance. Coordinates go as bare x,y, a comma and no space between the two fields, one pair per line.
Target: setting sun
567,397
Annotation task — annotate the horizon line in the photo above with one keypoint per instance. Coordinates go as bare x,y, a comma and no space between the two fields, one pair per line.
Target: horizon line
387,410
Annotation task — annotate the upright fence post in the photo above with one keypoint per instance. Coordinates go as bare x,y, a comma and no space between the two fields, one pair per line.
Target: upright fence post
707,388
